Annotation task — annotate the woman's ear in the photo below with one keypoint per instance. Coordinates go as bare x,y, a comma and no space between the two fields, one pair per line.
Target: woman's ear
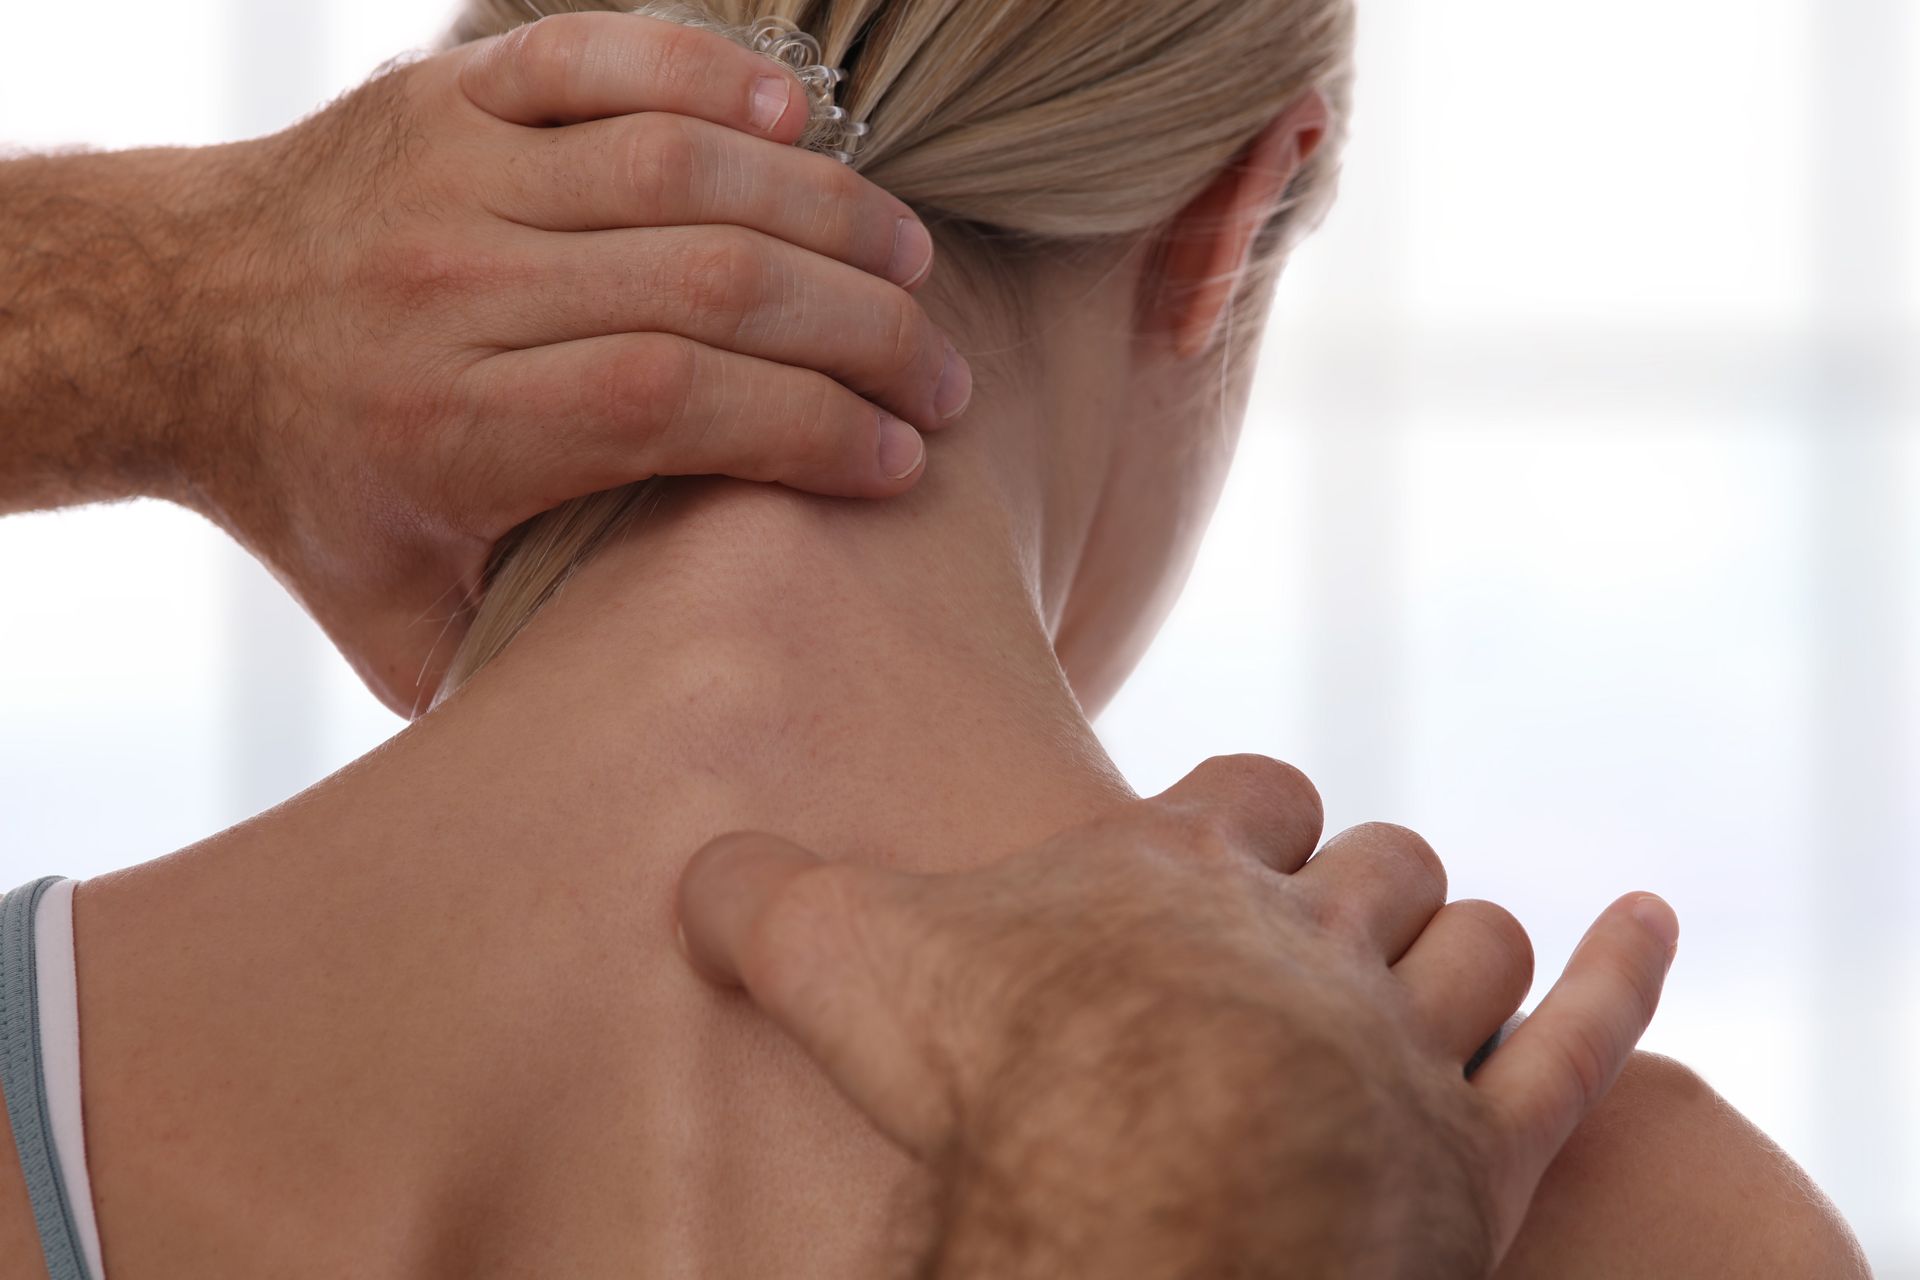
1203,252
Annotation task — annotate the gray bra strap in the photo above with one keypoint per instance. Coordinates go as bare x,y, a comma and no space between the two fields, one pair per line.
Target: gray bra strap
22,1078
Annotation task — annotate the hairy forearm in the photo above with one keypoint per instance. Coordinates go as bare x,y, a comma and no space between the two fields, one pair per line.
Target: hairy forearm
113,359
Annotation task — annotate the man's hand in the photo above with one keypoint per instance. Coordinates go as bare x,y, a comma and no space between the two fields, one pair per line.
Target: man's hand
534,267
1169,1044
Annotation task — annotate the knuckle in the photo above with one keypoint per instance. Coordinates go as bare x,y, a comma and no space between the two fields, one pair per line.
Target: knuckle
725,275
1339,914
1206,835
1296,785
838,198
1246,769
413,272
406,267
1506,932
680,58
663,158
1264,775
1391,835
844,187
1275,802
650,389
545,54
1588,1062
1407,845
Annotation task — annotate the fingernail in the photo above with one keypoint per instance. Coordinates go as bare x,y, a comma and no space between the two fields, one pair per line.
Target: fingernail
770,100
1658,919
956,386
912,253
901,448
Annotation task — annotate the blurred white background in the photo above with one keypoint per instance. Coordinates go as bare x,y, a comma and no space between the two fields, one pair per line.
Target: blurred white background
1574,526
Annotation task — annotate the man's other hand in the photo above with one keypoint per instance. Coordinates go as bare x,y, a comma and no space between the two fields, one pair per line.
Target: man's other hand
1179,1042
535,267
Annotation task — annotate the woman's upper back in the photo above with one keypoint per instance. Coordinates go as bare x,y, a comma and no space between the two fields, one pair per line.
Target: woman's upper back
429,1017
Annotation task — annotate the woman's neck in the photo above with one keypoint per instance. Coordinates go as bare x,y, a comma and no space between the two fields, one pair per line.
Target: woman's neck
849,671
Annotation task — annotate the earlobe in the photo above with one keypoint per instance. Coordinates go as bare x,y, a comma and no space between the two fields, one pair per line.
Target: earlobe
1204,252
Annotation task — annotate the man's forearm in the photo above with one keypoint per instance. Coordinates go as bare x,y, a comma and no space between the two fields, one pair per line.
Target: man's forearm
109,324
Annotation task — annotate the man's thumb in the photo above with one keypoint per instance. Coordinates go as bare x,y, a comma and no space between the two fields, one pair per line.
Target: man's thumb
725,893
821,947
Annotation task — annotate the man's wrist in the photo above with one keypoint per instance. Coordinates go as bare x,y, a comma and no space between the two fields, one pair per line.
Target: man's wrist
121,370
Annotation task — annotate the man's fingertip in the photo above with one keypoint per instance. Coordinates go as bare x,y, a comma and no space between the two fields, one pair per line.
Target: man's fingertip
912,260
770,101
705,972
1658,919
901,451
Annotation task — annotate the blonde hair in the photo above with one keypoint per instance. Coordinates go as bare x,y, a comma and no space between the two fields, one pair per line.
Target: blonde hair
1011,127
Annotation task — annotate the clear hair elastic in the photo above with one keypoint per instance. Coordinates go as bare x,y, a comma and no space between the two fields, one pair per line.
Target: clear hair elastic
831,130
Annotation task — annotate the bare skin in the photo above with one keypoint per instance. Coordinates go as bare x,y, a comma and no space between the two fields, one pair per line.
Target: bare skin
430,1018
